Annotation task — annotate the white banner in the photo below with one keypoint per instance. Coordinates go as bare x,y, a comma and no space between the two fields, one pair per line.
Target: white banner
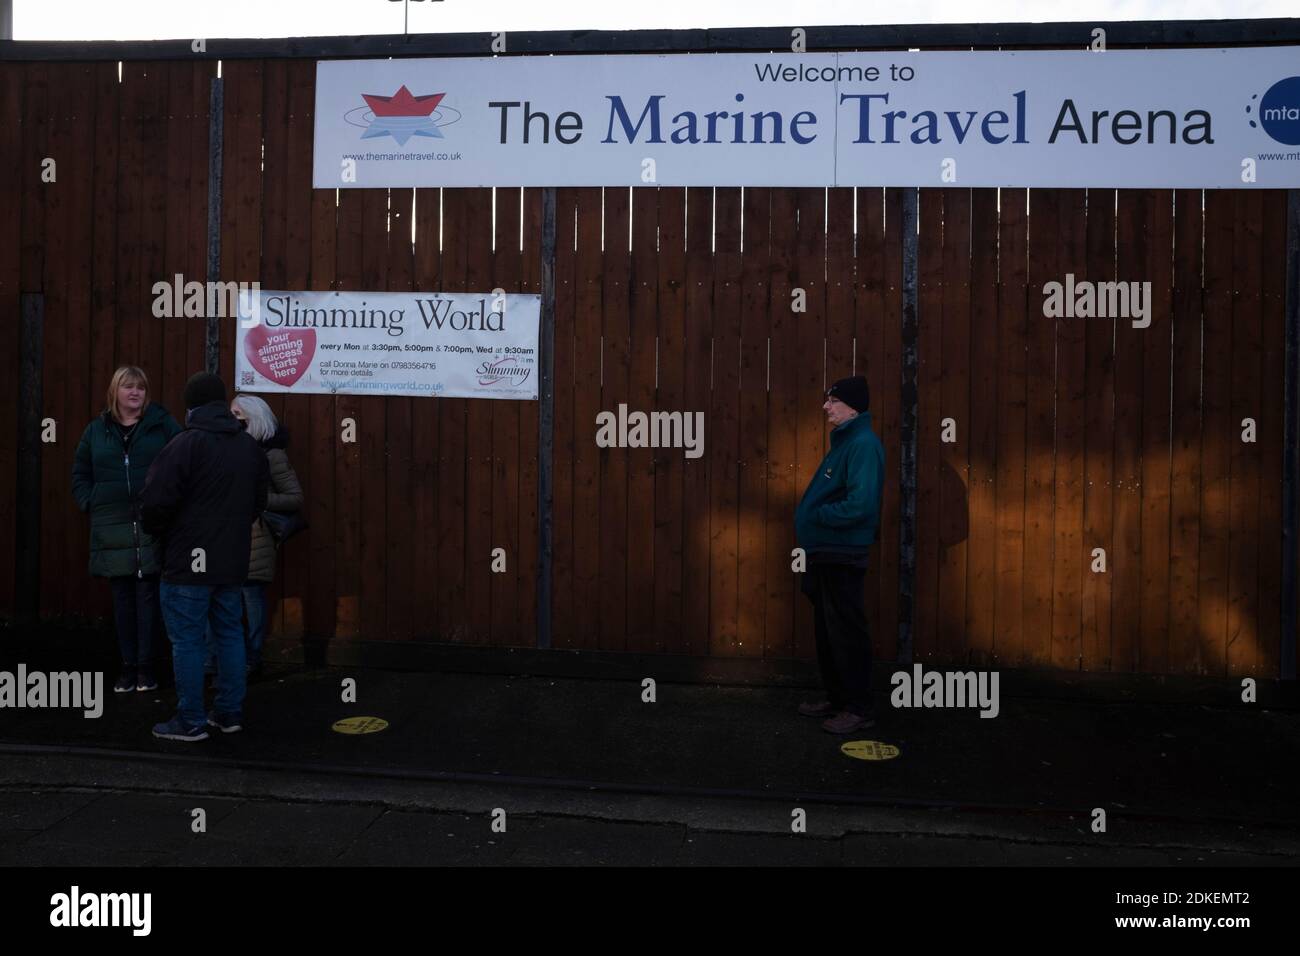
442,344
1191,118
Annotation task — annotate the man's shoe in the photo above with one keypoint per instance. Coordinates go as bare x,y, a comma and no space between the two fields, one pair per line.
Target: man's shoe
846,722
175,730
224,722
145,683
125,684
822,708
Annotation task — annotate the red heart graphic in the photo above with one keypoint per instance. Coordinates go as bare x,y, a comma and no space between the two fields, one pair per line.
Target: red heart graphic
282,355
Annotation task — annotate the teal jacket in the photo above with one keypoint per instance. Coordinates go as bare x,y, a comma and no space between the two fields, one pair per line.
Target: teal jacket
107,480
840,511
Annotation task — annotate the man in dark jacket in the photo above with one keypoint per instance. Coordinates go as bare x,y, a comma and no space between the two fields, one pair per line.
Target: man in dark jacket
202,495
835,524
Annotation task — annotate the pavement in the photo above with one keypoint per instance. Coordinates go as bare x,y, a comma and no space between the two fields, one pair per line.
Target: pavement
583,770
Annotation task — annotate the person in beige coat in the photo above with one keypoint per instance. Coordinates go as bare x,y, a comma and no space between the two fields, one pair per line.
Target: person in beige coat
285,496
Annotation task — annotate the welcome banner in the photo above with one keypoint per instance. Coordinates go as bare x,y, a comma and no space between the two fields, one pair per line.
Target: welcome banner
455,345
1193,118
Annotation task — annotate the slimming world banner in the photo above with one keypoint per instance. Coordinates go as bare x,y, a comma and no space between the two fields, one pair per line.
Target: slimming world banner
1193,118
445,345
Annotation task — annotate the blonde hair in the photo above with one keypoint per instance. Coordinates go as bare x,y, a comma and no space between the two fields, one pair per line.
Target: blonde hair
124,374
261,420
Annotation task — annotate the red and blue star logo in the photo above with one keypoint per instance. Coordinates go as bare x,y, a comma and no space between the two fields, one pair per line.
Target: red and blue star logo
402,115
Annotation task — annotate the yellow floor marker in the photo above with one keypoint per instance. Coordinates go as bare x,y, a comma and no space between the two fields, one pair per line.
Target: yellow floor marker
869,750
360,725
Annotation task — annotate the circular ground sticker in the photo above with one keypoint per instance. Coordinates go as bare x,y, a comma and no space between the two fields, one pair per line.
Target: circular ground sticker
360,725
869,750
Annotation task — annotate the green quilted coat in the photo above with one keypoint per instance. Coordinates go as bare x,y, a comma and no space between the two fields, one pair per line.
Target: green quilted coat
107,479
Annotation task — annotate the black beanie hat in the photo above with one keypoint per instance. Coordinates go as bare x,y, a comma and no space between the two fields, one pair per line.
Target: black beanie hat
204,387
853,392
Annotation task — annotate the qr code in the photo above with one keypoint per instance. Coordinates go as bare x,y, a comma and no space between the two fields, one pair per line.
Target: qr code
245,378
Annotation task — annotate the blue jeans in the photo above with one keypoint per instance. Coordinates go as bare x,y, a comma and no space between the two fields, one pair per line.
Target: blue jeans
254,595
189,609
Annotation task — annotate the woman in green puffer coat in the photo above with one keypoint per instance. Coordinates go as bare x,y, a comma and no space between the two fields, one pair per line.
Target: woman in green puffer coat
108,472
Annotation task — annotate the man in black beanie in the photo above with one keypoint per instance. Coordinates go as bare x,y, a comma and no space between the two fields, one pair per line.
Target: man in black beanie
201,497
835,524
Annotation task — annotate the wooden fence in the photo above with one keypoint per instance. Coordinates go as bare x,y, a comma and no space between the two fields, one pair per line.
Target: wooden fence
1071,434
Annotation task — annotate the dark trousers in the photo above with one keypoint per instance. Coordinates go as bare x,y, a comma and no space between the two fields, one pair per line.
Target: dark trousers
138,618
843,644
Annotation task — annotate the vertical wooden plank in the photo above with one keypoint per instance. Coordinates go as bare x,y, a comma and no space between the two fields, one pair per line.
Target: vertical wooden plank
295,562
1156,448
1244,487
752,566
426,445
723,441
981,549
1071,368
352,423
372,431
35,132
241,189
670,395
507,586
153,226
130,186
1008,605
954,461
11,208
564,442
1124,562
587,530
479,419
871,320
642,571
840,283
60,221
697,360
104,270
399,567
840,350
453,446
1185,478
889,299
530,281
154,141
274,163
78,176
783,404
325,430
1099,428
809,361
929,451
1270,421
204,72
1218,433
104,226
614,390
1044,226
169,381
